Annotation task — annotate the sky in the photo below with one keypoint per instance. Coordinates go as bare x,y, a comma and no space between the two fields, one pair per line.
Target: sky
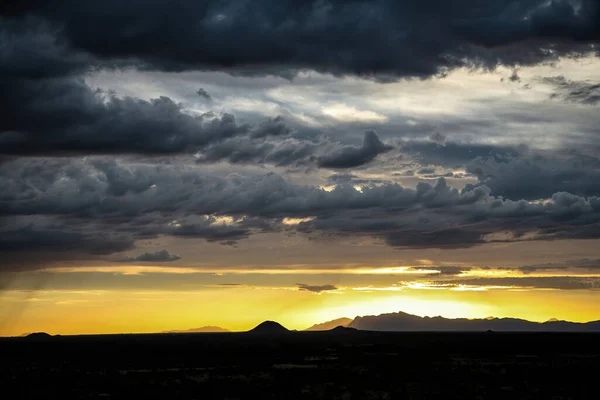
171,165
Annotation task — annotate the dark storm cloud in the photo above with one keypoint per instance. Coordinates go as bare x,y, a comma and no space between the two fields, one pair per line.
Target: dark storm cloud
95,202
452,153
316,288
537,175
208,229
204,94
49,109
294,152
381,38
583,92
514,172
29,242
284,152
58,238
271,127
65,116
439,217
351,156
158,256
48,48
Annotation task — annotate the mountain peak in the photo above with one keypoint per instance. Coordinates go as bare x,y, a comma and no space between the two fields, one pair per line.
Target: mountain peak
269,327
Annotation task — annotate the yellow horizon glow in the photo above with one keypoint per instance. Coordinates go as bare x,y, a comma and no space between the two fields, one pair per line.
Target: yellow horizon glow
241,308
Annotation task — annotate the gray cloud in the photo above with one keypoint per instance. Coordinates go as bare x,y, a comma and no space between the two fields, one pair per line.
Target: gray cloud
550,282
204,94
575,91
158,256
295,152
351,156
513,172
65,116
30,242
316,288
534,175
101,201
448,270
573,265
452,153
49,109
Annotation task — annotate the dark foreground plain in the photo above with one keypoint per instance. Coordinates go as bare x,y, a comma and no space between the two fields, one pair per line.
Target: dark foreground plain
339,364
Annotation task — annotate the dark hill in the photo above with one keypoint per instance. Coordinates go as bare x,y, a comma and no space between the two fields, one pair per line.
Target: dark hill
344,330
269,328
38,336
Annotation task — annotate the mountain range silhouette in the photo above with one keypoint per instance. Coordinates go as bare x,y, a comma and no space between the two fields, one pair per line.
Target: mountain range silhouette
401,321
404,322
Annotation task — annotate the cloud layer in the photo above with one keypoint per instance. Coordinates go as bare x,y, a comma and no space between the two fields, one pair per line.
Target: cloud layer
380,38
88,174
97,208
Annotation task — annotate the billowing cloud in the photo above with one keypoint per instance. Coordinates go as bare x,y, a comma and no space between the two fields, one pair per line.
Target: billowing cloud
109,206
50,109
539,174
65,116
294,152
100,206
352,156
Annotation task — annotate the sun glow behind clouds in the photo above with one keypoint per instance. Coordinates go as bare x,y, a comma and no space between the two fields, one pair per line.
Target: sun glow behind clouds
240,307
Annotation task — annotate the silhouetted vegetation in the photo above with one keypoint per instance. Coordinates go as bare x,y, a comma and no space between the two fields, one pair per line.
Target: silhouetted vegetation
340,364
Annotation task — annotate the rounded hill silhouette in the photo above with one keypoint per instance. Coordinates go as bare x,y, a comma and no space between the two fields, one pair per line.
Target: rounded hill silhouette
269,328
38,336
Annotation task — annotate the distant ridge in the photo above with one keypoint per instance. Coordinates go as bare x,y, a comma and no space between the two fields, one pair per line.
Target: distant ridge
203,329
269,328
401,321
329,325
